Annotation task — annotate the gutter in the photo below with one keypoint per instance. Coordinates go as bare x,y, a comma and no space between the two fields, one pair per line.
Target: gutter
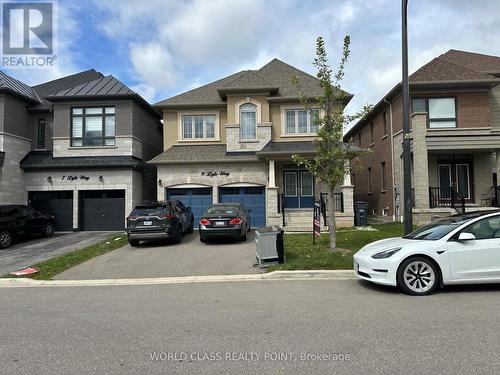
392,163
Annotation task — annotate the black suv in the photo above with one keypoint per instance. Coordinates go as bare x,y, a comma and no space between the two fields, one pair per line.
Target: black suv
159,220
18,222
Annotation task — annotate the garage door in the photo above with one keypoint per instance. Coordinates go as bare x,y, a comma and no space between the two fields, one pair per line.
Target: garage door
102,210
251,197
196,198
57,203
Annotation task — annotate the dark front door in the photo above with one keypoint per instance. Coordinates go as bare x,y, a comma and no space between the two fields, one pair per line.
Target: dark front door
298,188
456,175
102,210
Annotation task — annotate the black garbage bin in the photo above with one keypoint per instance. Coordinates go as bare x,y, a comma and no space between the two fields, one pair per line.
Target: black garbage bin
360,213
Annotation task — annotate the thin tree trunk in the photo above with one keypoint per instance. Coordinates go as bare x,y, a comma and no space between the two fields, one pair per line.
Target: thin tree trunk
331,220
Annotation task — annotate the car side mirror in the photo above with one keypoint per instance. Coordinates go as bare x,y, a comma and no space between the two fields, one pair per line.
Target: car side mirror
464,236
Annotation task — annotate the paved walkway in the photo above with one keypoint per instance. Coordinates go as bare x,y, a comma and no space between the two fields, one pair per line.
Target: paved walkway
26,253
189,258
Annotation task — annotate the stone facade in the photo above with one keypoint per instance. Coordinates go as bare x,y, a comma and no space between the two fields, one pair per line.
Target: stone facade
11,175
125,145
235,144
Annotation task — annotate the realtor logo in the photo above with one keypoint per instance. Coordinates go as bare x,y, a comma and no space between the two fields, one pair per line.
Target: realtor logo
28,34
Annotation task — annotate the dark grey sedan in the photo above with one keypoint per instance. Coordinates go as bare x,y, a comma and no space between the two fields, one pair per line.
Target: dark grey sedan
225,220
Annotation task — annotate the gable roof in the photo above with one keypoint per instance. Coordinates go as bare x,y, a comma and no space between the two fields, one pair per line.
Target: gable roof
451,68
67,82
13,86
276,77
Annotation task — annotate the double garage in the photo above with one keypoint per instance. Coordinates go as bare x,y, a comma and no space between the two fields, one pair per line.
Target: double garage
199,198
98,210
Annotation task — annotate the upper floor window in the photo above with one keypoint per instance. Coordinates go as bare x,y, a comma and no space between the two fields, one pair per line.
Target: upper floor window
198,126
93,126
441,112
40,133
248,121
386,122
299,121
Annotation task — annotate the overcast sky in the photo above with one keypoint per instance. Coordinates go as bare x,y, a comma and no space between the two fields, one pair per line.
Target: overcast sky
161,48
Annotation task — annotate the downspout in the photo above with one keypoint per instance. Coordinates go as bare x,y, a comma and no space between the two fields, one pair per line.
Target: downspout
392,164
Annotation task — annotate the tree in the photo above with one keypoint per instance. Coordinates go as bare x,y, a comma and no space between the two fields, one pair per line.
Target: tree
330,163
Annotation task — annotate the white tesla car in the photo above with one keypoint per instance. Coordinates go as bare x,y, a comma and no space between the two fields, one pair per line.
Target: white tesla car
459,249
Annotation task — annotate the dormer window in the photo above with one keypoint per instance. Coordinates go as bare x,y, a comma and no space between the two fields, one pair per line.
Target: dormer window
248,121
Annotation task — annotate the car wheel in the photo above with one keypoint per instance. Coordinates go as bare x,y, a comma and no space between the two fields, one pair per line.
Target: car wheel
418,276
5,239
48,231
133,243
191,227
244,237
178,235
203,239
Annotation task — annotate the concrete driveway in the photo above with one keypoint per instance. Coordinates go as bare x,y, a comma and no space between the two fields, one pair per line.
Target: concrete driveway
38,249
189,258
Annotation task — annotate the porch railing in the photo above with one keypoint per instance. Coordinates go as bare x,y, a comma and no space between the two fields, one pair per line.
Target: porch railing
281,207
446,197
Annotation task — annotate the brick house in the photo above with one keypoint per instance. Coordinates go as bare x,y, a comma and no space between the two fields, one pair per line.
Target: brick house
455,130
77,147
232,140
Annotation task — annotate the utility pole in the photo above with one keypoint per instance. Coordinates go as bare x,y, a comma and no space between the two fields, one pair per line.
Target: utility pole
408,206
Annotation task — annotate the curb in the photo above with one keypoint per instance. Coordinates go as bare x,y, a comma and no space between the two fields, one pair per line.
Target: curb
272,276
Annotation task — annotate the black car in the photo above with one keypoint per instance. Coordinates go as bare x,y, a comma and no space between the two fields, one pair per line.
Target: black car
159,220
18,222
225,220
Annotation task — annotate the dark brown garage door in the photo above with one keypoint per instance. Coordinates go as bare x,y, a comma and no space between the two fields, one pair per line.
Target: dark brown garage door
102,210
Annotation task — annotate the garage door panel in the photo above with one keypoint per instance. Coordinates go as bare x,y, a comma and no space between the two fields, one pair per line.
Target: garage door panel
56,203
196,198
252,198
102,210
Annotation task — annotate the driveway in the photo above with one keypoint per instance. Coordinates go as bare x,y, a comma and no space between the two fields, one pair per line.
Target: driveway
189,258
38,249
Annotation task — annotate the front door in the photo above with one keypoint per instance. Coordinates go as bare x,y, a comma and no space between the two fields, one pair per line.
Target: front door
455,175
298,189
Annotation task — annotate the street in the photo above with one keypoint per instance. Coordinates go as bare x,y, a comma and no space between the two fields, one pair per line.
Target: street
300,326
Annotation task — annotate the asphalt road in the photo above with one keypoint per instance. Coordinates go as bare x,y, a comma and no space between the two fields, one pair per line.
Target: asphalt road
37,249
260,327
162,259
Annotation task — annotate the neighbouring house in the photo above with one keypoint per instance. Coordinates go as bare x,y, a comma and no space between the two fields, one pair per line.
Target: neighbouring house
455,141
232,140
76,147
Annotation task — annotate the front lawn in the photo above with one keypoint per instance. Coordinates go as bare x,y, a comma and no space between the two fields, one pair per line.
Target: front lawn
300,254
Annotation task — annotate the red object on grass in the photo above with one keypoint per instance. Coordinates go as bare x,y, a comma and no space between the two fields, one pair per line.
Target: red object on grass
25,271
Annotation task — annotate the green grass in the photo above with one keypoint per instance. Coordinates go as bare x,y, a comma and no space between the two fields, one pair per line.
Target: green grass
50,268
300,254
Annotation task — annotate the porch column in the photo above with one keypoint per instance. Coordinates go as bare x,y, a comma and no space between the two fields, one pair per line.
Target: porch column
420,161
348,194
272,178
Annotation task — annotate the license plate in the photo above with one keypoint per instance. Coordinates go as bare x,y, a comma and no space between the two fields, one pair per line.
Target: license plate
147,222
220,223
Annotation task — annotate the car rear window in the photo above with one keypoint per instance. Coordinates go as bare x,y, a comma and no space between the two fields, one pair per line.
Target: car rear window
223,210
148,211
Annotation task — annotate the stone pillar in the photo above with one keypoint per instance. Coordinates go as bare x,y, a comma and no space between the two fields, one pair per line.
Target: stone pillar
497,165
76,213
348,197
272,215
420,160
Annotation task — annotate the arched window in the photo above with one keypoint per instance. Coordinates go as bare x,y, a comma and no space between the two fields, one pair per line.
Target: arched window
248,121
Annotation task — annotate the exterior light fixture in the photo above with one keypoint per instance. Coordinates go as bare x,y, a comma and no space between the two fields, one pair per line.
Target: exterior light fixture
101,179
160,182
49,179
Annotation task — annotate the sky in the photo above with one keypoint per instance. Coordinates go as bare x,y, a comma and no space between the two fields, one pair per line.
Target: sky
161,48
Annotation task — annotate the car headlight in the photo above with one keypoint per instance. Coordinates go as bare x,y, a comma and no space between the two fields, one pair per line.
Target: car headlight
386,253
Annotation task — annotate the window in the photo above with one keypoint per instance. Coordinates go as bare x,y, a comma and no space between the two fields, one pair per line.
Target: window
386,122
383,176
441,112
40,133
370,180
198,126
93,126
248,121
485,229
371,133
299,121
